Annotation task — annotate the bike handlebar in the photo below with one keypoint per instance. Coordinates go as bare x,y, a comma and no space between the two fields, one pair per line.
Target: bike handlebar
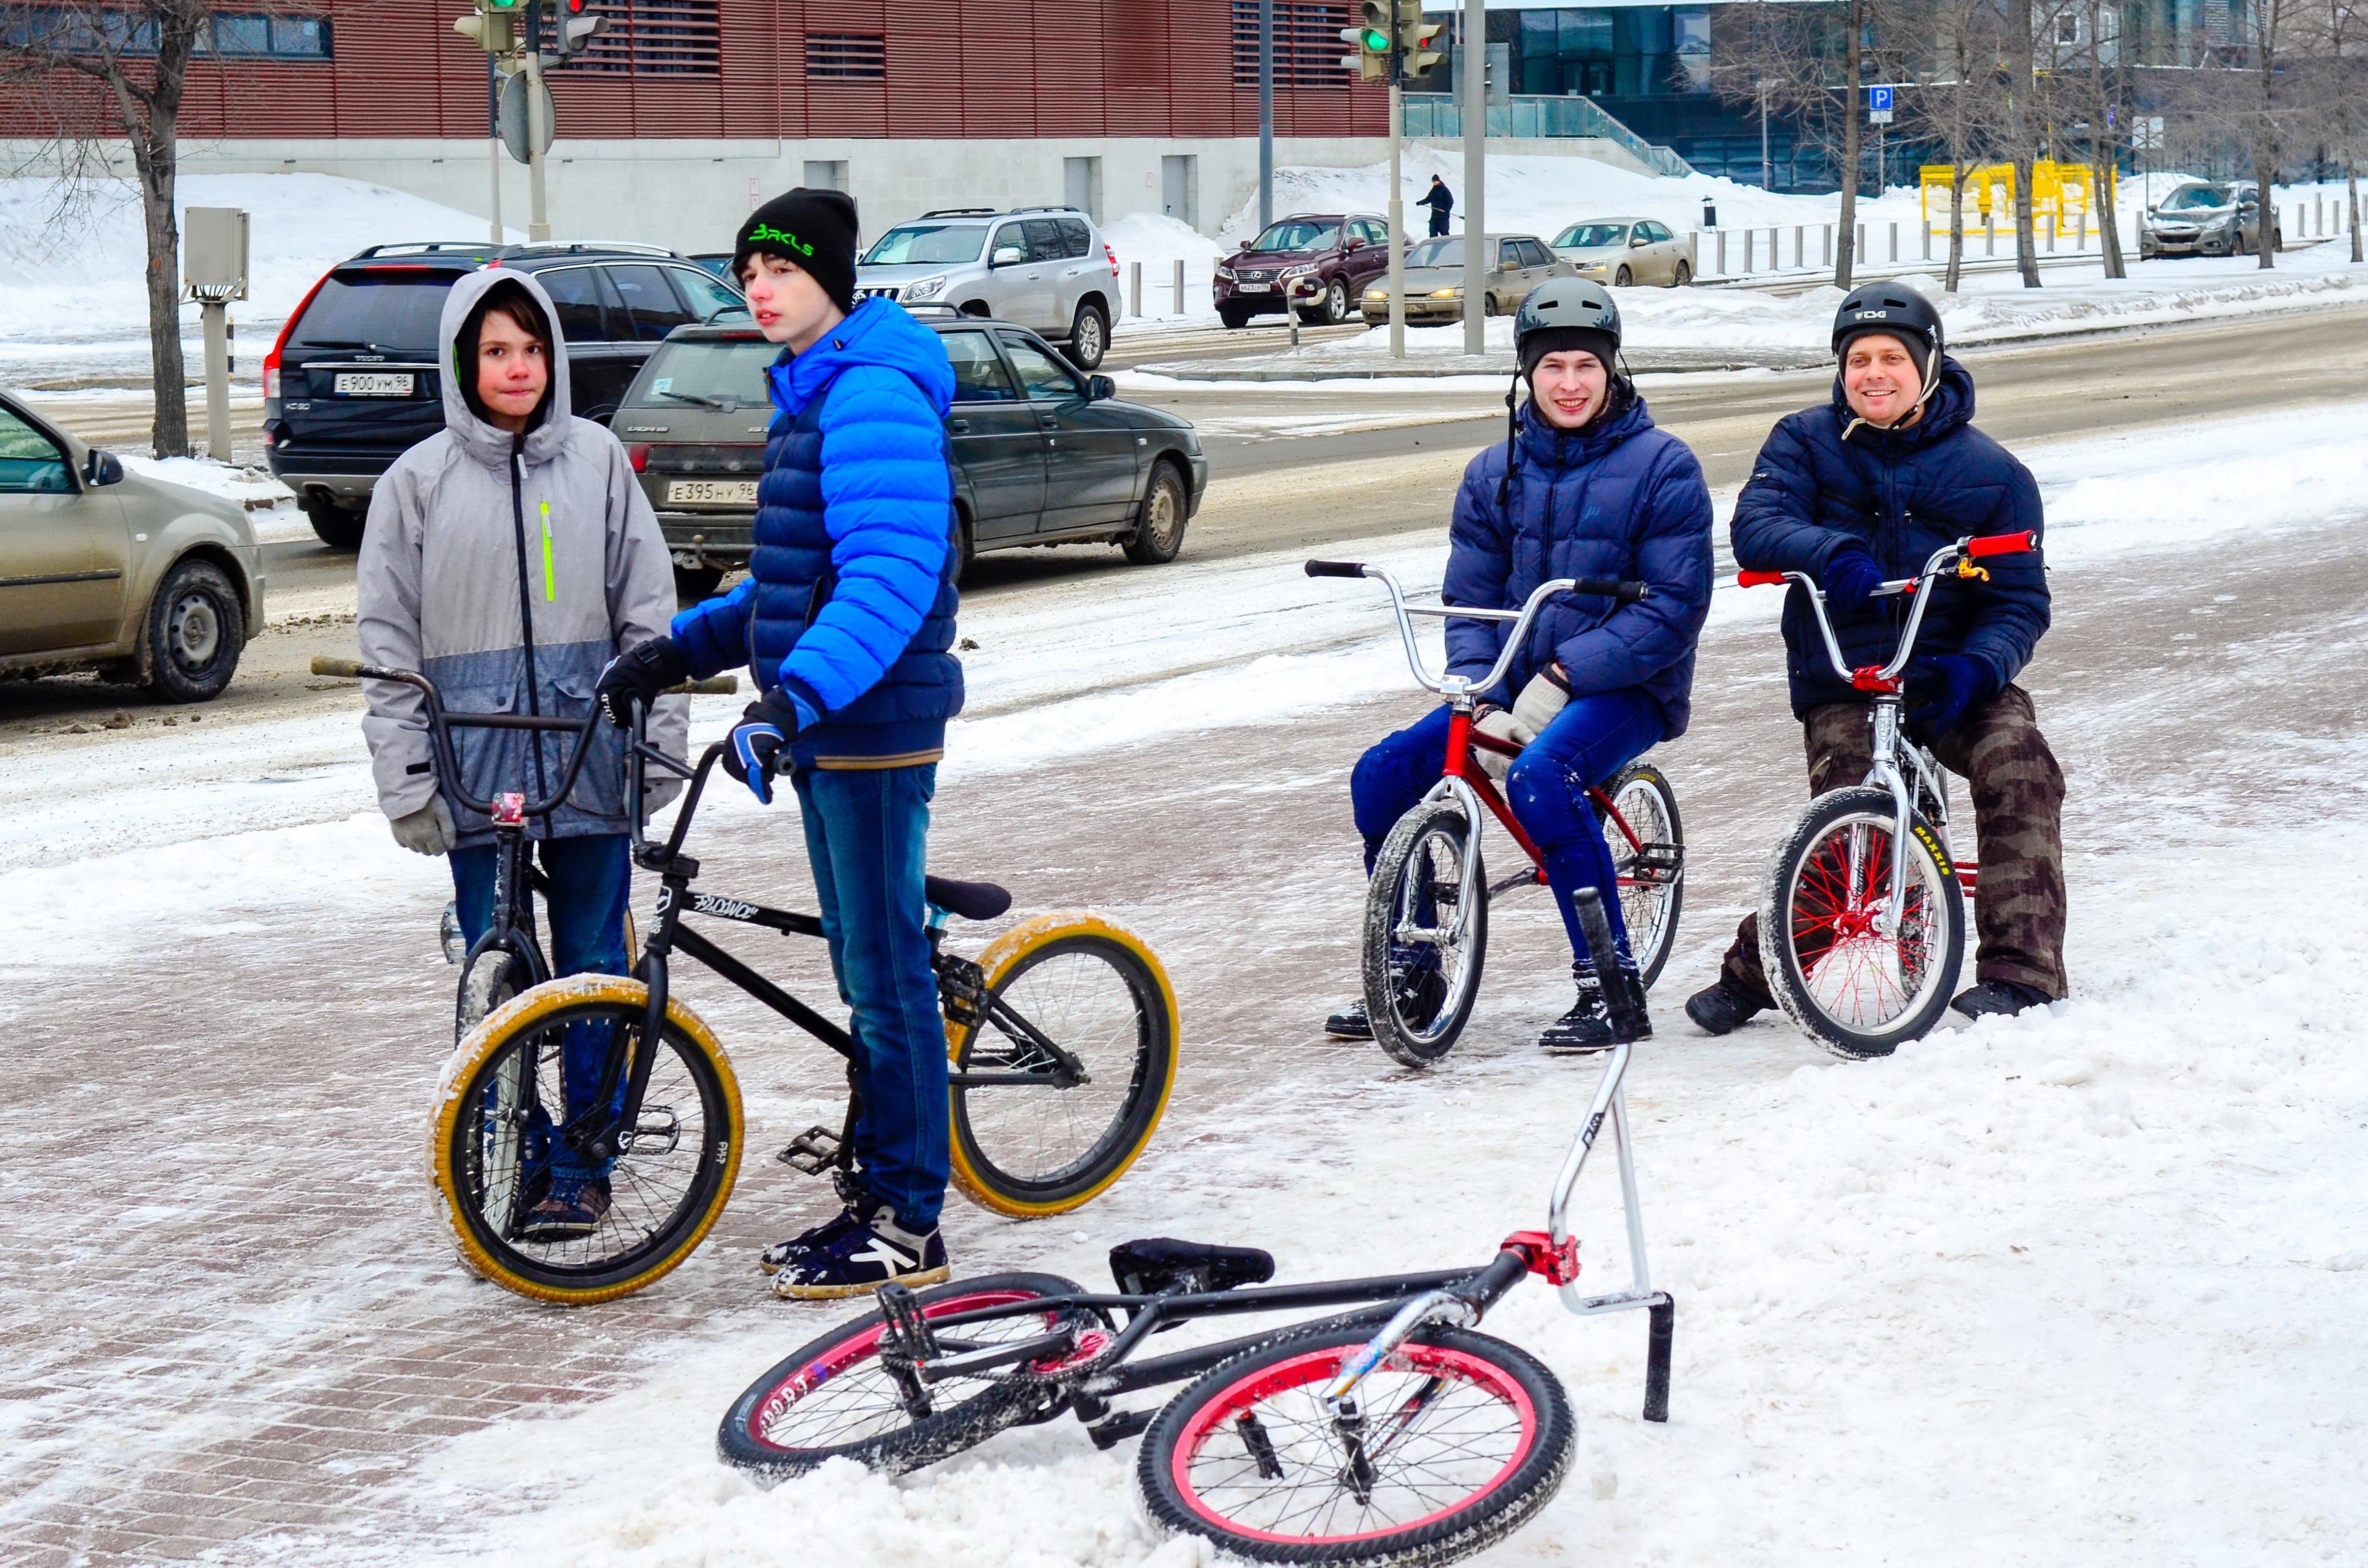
1959,554
1336,569
1454,686
2002,544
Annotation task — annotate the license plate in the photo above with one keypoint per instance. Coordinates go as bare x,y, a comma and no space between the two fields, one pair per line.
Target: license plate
1258,288
352,383
711,492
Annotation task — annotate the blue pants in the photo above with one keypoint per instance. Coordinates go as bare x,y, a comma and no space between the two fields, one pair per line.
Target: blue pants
867,839
1588,741
590,879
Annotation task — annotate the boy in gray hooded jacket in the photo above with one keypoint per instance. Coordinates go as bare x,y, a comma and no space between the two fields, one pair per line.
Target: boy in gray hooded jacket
508,559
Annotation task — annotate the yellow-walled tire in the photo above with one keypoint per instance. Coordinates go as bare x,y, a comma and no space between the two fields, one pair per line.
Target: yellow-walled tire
1096,990
480,1154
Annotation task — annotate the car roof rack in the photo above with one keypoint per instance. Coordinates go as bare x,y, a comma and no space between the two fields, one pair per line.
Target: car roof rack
933,310
427,247
589,247
962,212
1052,207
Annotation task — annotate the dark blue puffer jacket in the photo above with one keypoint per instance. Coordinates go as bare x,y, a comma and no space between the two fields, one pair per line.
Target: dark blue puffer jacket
1618,499
1901,493
849,602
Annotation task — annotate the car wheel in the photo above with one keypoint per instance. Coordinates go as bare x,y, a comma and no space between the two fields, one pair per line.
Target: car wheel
1488,303
692,583
1622,278
1159,521
1233,316
965,549
1088,336
1682,277
195,628
340,527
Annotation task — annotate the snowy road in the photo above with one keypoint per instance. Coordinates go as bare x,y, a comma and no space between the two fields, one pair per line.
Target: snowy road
2082,1286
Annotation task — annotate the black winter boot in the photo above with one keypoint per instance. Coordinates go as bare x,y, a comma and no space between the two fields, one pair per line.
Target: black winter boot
1349,1022
1588,1025
1723,1008
1999,999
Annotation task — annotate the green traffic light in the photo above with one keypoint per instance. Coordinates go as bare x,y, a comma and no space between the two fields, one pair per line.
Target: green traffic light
1375,40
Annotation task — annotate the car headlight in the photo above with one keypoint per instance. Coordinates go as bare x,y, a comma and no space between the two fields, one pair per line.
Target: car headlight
1299,271
1227,273
1381,294
1447,293
926,288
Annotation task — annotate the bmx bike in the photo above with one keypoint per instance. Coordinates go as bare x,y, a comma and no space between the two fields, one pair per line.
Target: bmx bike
1426,933
1863,922
1387,1434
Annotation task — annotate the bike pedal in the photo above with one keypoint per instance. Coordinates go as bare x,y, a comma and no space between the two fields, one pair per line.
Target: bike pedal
1113,1430
813,1151
1658,865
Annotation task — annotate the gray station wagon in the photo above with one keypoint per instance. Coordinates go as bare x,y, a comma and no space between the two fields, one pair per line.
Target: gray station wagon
1042,454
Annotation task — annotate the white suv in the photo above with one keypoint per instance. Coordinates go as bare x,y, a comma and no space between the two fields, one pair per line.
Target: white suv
1045,267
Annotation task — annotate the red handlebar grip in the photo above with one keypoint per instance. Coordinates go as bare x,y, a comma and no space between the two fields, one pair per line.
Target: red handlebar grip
2002,544
1758,579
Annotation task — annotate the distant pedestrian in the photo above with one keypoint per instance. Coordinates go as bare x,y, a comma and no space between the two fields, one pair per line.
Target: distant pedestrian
1441,201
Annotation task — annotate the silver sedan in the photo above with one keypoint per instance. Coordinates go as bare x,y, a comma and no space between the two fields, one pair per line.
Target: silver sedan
1622,251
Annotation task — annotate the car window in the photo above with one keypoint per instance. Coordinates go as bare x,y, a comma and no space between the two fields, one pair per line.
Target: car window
2198,199
1298,233
1530,255
30,463
1076,238
1042,376
1448,252
923,245
707,297
581,302
650,300
1010,234
1044,242
702,372
979,375
1660,232
1592,237
376,310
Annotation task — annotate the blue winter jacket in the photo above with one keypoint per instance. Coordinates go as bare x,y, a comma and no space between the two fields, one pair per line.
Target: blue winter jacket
1825,479
1617,499
849,602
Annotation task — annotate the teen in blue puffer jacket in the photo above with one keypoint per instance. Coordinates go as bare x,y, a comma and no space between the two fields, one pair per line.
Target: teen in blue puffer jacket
846,621
1584,486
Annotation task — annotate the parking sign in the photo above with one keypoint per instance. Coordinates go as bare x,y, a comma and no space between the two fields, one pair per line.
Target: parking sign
1878,106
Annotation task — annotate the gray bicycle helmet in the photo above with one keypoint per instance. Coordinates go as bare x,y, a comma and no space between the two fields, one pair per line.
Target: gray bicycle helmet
1564,313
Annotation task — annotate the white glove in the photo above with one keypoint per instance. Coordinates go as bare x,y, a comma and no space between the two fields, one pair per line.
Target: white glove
1539,701
427,831
1500,725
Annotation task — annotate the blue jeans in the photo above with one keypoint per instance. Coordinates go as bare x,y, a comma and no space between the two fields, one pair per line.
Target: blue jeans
867,840
1588,742
590,877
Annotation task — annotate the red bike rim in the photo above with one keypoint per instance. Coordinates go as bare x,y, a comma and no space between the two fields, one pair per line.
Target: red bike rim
1836,922
855,1347
1319,1367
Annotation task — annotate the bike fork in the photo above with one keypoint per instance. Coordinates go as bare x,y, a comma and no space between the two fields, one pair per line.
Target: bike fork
1885,772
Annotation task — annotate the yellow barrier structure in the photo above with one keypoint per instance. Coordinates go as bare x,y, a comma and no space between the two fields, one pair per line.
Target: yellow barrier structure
2060,196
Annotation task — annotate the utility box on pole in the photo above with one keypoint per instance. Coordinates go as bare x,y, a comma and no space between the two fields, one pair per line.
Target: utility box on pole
213,273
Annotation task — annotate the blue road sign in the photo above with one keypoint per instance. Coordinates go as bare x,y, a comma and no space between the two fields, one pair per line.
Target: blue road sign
1879,99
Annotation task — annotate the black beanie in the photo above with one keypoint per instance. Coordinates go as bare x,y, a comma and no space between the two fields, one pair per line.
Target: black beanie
1542,341
815,229
1917,348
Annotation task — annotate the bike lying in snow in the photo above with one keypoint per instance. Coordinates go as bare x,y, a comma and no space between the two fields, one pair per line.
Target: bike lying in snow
1389,1433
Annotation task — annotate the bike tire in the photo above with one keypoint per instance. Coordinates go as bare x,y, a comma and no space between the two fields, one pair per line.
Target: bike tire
1646,801
1097,991
1203,1472
1826,964
1417,1008
492,976
828,1378
485,1092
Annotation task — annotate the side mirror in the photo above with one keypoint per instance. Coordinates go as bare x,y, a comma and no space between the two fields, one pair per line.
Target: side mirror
1354,243
102,467
1099,389
1007,256
1636,239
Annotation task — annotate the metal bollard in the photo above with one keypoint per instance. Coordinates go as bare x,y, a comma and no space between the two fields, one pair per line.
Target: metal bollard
1927,239
1859,254
1721,253
1179,285
1134,289
1775,252
2081,240
1800,244
1750,239
1827,258
2051,236
1895,244
1989,233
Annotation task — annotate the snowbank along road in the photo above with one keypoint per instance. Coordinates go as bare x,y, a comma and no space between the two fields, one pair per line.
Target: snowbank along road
2082,1286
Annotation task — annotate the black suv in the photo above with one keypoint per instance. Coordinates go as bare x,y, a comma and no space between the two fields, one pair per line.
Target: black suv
1042,455
353,380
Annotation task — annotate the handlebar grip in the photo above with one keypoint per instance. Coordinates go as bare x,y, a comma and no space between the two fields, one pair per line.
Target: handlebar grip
2002,544
1626,592
344,669
715,685
1336,568
1758,579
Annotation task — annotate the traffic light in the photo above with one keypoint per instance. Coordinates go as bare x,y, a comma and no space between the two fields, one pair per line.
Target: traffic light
578,28
493,27
1415,39
1373,41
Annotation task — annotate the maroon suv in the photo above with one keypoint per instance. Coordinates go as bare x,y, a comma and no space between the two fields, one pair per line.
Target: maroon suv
1341,254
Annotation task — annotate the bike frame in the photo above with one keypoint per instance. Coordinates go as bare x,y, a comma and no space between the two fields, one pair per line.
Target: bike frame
1895,759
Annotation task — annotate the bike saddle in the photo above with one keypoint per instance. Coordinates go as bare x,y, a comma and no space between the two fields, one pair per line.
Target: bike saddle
972,901
1155,1264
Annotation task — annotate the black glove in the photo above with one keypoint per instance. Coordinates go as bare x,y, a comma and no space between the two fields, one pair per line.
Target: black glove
648,669
754,751
1851,578
1944,685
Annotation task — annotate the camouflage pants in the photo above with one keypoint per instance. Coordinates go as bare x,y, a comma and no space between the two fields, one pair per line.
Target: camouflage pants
2018,814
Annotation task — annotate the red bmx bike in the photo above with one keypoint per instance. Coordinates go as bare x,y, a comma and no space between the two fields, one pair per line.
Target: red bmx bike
1427,904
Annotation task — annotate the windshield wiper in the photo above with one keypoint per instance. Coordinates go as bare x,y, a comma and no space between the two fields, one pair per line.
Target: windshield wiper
716,403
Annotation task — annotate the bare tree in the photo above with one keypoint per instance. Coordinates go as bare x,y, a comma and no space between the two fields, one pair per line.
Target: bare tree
1954,99
118,69
1786,56
2271,21
2020,65
2104,140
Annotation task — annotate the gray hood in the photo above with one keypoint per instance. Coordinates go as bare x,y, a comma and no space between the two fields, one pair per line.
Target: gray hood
488,443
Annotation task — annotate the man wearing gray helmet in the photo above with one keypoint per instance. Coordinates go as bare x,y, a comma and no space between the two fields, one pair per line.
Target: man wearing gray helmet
1582,486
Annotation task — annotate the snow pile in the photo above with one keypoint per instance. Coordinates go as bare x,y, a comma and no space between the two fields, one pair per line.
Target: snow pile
270,505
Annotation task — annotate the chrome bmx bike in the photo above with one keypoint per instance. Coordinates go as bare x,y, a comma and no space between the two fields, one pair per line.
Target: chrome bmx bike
1862,921
1425,934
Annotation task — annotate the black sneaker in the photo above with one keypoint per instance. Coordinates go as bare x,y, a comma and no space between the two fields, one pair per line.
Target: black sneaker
1349,1022
855,1255
1999,999
773,1258
570,1211
1724,1007
1588,1025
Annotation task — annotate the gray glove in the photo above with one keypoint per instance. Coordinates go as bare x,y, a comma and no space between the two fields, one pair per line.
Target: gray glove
1497,722
427,831
1539,701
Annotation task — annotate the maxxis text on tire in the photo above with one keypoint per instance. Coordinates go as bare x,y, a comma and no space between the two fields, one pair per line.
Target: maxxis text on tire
1650,960
1509,1500
1159,521
194,630
975,1174
1420,1047
986,1405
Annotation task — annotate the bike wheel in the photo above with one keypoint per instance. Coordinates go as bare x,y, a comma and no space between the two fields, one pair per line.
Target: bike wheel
497,1112
1424,948
834,1399
493,975
1652,870
1463,1438
1856,991
1092,989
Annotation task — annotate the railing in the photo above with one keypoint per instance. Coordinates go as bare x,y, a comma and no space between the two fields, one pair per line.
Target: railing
1438,115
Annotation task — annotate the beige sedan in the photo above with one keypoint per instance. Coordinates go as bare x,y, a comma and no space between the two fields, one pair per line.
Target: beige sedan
1621,251
146,582
1434,279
